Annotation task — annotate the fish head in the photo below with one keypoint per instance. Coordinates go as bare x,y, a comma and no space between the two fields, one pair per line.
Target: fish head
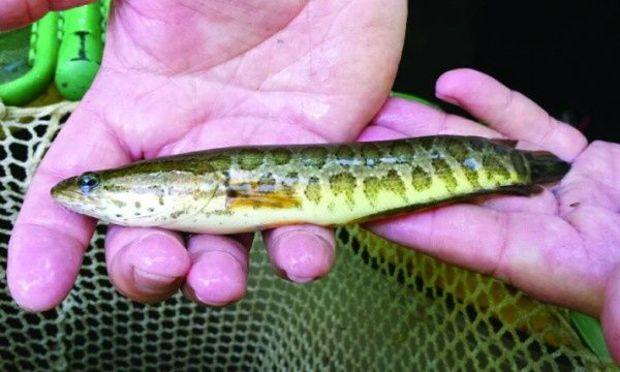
134,199
84,194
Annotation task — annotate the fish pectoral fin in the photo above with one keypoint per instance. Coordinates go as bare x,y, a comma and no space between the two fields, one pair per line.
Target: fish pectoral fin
276,200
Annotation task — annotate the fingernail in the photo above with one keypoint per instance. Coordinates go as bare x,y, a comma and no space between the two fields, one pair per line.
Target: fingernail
302,256
148,282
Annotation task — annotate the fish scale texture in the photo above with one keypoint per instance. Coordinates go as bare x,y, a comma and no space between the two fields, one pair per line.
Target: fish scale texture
383,307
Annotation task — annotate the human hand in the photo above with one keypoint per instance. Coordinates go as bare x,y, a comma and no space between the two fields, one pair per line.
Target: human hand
19,13
562,246
179,76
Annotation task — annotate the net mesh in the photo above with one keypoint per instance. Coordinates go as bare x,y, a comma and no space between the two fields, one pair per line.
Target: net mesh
382,308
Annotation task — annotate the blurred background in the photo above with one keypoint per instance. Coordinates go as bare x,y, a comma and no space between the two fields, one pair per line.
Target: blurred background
563,55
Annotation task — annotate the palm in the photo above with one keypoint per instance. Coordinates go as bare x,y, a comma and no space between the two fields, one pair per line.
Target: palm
185,76
560,246
281,80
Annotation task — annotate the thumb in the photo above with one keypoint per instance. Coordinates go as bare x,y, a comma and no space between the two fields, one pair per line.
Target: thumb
610,317
20,13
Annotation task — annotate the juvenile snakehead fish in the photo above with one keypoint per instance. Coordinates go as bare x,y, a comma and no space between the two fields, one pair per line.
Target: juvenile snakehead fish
245,189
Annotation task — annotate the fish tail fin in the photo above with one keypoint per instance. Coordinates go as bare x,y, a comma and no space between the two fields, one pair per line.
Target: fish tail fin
546,167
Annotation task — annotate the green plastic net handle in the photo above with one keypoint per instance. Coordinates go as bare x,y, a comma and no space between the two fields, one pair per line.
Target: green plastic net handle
43,55
81,50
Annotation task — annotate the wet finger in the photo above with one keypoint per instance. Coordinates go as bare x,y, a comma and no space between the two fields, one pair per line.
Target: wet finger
509,112
301,253
219,270
146,264
48,241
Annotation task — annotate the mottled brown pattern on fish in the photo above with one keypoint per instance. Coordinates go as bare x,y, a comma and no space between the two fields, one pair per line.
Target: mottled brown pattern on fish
281,156
345,156
372,154
343,184
291,179
494,169
401,151
313,190
476,145
313,156
473,176
457,150
420,178
220,162
372,187
444,172
266,183
426,143
393,182
250,159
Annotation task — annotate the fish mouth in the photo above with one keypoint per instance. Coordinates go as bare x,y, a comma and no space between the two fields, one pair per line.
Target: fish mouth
65,188
67,194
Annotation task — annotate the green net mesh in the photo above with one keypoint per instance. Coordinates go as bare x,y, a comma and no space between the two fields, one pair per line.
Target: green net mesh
382,308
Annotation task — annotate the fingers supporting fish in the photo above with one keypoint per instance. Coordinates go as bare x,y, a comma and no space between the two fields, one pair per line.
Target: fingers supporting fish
301,253
48,241
147,265
541,254
402,118
219,271
509,112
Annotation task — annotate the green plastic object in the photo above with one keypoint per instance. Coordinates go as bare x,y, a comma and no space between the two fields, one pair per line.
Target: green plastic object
414,98
590,331
42,60
81,50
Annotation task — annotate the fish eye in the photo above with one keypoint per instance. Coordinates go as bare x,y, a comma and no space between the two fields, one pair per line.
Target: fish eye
88,181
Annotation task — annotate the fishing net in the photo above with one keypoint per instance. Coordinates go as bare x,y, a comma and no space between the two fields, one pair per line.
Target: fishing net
382,308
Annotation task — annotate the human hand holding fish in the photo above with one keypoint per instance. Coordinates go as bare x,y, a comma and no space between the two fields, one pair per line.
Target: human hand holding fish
151,101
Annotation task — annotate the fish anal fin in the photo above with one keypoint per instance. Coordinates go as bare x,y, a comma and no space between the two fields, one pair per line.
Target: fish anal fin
525,190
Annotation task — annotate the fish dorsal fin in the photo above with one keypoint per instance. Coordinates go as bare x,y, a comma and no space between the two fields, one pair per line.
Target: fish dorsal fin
504,142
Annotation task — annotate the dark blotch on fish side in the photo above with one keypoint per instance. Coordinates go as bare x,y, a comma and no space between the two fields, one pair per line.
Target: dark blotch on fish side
420,179
281,156
313,190
371,154
250,159
343,184
394,183
494,169
313,156
444,172
372,186
457,150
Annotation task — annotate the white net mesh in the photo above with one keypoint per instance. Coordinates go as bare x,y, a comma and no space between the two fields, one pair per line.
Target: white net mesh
382,308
